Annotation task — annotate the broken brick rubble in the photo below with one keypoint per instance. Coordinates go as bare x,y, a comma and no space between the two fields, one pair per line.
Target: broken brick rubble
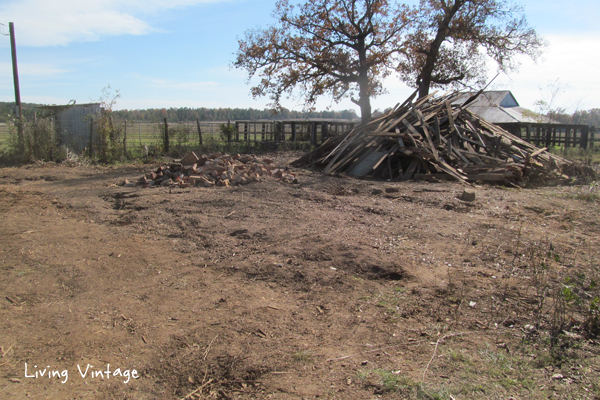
216,170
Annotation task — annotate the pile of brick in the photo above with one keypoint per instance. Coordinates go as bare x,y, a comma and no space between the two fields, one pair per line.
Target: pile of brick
215,170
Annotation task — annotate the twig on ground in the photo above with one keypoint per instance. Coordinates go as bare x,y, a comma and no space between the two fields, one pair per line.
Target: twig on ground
376,350
436,347
199,389
5,352
208,347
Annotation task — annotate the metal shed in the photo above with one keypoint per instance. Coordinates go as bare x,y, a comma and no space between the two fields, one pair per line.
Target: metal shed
72,123
501,107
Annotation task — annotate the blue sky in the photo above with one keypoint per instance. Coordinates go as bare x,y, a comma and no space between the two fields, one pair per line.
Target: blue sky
177,53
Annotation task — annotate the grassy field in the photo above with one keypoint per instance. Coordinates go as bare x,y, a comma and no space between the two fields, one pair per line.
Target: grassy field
590,155
185,134
3,135
183,138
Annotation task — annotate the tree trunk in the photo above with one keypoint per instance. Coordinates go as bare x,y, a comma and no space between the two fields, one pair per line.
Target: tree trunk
364,97
424,84
365,109
424,78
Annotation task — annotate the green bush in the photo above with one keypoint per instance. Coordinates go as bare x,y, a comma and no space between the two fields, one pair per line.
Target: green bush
38,142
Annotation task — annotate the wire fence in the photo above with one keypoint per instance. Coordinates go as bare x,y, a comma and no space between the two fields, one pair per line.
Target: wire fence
556,135
4,134
142,138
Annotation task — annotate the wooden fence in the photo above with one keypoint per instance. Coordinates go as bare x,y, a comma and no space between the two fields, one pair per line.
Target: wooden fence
551,135
247,133
314,132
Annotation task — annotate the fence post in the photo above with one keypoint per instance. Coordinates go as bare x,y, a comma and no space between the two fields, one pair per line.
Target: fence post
237,131
125,140
111,130
166,137
583,143
293,132
53,136
313,140
35,135
282,132
229,132
199,132
91,137
277,133
592,134
324,132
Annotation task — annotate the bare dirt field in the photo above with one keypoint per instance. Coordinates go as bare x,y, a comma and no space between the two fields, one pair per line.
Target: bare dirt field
332,288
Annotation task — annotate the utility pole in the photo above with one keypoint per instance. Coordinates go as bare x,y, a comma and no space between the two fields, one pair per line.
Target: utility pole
18,109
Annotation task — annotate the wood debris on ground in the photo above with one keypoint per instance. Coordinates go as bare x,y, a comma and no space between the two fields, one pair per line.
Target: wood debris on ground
215,170
434,138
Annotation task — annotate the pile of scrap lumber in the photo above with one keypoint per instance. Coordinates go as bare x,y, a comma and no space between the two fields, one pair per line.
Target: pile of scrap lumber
436,138
215,170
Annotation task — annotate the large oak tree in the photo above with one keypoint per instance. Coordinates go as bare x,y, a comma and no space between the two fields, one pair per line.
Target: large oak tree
451,39
342,48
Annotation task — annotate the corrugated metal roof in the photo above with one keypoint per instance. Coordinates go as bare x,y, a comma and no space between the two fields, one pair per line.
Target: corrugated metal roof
501,115
493,98
500,107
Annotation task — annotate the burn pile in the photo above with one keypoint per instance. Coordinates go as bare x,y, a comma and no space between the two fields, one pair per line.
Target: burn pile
433,139
215,170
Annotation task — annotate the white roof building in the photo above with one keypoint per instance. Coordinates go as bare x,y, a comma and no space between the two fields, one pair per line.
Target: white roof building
501,107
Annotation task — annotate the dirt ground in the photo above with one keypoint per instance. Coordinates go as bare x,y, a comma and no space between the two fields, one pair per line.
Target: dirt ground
332,288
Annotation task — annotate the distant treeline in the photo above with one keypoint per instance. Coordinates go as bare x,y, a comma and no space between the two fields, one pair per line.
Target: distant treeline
584,117
589,117
224,114
190,114
7,110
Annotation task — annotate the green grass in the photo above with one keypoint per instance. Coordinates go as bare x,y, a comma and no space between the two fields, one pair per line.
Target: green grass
389,381
303,356
589,193
590,155
183,138
4,134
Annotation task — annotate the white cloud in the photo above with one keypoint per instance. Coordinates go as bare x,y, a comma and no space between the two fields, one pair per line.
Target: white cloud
140,104
30,70
171,84
37,99
572,60
51,23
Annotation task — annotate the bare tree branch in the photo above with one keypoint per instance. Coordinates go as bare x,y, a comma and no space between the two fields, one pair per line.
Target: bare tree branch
452,39
325,47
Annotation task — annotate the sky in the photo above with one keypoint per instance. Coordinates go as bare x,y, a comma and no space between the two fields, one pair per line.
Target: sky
178,53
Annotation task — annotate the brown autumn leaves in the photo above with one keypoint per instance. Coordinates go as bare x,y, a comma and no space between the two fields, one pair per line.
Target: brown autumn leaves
346,48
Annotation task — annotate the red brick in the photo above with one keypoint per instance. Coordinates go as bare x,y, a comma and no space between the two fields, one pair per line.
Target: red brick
190,159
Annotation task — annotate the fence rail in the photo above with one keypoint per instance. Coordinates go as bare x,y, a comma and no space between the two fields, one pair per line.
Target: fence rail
551,135
197,134
166,136
240,132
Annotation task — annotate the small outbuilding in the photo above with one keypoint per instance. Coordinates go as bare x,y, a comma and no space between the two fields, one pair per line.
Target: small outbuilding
502,108
72,123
